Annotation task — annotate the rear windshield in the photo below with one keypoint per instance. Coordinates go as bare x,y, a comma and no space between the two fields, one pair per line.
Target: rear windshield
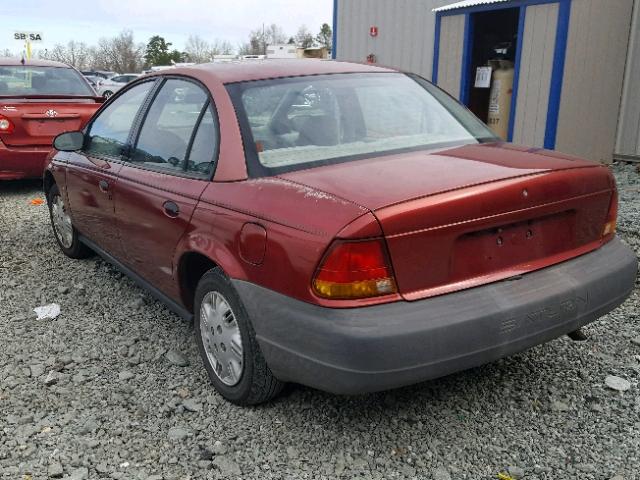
27,80
300,122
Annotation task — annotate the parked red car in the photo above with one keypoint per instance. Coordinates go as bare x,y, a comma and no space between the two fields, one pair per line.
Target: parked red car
38,100
347,227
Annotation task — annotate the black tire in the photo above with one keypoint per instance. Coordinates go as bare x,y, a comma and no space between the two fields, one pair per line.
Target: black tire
257,384
77,249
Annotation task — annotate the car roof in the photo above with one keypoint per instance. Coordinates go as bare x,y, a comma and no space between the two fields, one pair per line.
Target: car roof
12,61
242,71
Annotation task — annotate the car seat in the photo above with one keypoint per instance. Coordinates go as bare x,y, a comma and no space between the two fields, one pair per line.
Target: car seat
321,130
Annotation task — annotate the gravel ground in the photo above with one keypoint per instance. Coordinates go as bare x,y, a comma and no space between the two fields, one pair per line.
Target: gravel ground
114,388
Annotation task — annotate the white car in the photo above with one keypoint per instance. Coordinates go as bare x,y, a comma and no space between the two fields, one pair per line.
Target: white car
93,80
108,87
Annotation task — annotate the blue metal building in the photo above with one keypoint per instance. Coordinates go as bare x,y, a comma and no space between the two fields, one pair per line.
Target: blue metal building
572,60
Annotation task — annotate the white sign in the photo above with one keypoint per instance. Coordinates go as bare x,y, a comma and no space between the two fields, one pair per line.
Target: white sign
28,36
483,77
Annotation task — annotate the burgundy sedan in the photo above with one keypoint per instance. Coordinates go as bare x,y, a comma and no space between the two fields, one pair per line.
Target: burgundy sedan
347,227
38,100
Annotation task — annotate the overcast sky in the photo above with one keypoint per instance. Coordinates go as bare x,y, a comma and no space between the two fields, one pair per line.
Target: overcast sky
88,20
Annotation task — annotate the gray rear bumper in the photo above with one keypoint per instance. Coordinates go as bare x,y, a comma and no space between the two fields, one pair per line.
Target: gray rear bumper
386,346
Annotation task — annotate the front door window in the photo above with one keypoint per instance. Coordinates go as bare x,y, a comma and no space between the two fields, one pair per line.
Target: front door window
109,132
170,140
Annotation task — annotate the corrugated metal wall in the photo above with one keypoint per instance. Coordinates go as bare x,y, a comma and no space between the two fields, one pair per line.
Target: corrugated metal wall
450,58
405,32
628,143
593,77
590,106
535,74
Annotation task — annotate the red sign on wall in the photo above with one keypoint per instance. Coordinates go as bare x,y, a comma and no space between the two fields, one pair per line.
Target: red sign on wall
373,31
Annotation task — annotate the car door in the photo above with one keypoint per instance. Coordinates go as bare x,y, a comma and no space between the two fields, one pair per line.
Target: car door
159,186
92,172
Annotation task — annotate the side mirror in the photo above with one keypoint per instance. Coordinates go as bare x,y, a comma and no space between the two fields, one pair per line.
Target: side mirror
69,141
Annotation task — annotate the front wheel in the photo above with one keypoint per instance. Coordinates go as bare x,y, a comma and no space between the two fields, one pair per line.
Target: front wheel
66,235
228,344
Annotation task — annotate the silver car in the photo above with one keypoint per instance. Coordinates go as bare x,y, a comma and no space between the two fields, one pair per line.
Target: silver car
108,87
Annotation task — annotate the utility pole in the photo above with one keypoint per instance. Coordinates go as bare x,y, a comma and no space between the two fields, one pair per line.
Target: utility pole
264,41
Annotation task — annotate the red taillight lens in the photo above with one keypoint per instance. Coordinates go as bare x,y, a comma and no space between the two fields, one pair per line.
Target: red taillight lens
6,125
612,217
355,269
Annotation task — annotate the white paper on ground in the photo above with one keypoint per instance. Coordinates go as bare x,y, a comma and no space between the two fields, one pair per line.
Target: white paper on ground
50,311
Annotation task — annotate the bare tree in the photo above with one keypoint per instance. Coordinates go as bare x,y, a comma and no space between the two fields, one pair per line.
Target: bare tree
198,49
244,48
78,54
261,37
7,53
304,38
222,47
58,53
275,35
256,44
100,57
120,54
73,53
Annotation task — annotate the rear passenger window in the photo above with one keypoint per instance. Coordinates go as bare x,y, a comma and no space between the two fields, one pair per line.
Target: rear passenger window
205,146
179,113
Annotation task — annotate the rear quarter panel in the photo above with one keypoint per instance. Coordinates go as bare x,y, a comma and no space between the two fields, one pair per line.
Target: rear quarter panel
300,223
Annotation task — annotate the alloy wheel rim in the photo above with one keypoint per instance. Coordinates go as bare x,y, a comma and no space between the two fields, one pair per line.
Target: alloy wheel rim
221,338
61,222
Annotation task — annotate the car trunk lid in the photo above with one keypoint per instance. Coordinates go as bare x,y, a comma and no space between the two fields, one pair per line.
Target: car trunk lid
382,181
38,120
470,215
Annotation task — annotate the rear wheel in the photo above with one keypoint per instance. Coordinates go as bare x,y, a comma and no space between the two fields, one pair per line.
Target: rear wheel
66,235
228,344
107,94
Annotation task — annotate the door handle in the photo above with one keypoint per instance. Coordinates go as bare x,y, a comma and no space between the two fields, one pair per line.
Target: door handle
103,185
171,209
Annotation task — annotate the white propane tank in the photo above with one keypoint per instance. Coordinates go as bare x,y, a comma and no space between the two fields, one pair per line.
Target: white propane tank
500,97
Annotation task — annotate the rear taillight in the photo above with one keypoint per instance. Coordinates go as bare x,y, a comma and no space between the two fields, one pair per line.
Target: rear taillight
612,217
355,269
6,125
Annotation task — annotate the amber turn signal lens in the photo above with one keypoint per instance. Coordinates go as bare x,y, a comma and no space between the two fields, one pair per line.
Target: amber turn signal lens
612,217
609,228
353,290
355,269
